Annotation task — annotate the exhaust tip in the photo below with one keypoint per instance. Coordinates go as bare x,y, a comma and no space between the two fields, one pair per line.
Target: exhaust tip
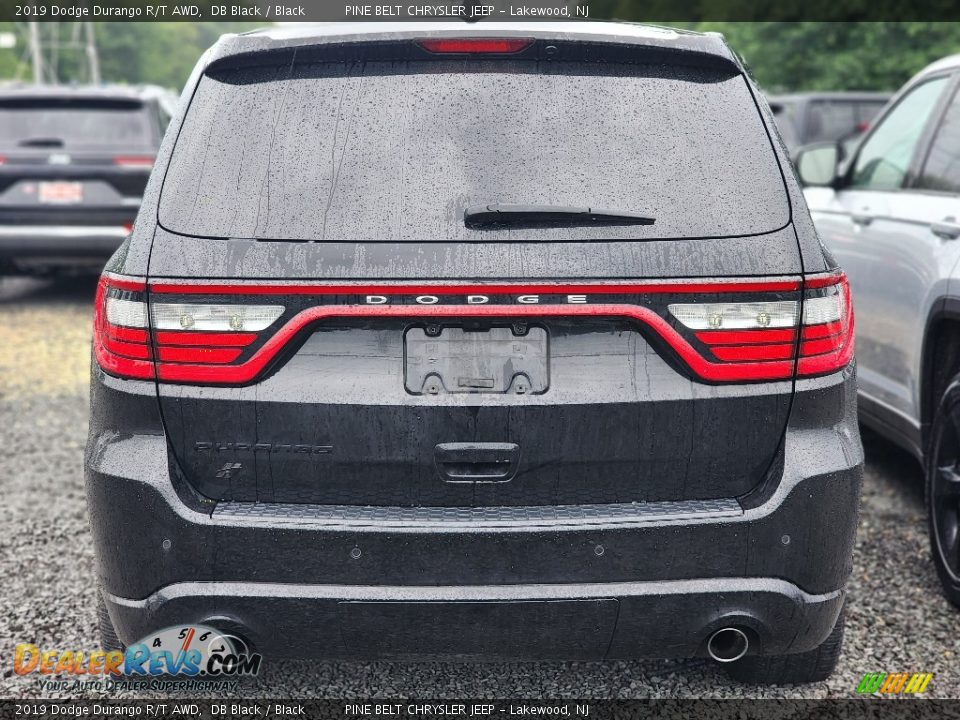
728,644
233,629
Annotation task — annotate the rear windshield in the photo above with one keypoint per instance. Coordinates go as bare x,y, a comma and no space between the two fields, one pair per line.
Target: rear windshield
397,150
65,122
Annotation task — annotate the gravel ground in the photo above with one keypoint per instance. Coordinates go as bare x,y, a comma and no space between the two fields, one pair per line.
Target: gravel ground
897,620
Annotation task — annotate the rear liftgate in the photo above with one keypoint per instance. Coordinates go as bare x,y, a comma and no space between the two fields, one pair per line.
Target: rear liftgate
474,395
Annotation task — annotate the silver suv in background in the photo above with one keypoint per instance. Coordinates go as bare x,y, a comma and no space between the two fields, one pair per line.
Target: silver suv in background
889,214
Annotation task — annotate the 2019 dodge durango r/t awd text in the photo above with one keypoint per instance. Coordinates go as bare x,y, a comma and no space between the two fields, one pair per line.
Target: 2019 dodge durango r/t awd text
506,341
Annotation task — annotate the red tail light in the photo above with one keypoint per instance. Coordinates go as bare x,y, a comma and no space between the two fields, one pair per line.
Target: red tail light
826,340
824,320
120,339
137,339
134,161
208,339
196,331
464,46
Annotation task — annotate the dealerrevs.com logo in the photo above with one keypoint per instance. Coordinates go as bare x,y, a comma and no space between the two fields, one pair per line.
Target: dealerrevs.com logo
894,683
194,652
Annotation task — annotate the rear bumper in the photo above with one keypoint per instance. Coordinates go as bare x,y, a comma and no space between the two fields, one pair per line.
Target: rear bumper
59,244
520,622
577,582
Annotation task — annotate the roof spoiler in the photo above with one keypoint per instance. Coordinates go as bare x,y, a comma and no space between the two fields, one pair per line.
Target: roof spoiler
557,49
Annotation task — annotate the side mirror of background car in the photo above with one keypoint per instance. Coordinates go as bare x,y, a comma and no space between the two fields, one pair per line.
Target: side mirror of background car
817,164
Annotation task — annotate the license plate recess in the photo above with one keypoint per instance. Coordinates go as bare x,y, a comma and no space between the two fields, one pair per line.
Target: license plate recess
501,360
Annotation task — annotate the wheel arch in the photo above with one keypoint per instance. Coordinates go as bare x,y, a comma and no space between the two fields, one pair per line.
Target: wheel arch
940,360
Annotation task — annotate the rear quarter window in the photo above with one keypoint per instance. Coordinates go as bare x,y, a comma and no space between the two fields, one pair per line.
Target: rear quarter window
395,151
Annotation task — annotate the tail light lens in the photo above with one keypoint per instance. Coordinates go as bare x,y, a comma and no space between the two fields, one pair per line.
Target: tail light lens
826,338
121,342
759,339
778,330
217,318
736,316
176,341
134,161
464,46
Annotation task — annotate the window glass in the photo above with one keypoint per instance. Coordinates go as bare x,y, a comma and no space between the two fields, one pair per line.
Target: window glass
163,117
73,123
384,151
942,168
885,157
785,115
831,120
866,112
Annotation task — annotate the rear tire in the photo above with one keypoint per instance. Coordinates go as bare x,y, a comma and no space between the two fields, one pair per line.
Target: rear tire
943,491
812,666
108,634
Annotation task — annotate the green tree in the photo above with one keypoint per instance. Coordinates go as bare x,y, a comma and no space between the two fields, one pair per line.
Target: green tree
135,52
790,56
793,56
159,53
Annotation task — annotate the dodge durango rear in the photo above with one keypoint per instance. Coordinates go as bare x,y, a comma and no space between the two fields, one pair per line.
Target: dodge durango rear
477,342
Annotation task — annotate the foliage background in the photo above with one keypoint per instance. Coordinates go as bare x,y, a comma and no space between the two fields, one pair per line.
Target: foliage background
784,56
791,56
131,52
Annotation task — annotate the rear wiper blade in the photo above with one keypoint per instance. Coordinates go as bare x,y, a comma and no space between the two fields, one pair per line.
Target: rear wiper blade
514,215
41,142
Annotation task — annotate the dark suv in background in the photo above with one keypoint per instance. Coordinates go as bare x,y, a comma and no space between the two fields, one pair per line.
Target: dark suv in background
811,117
507,341
73,165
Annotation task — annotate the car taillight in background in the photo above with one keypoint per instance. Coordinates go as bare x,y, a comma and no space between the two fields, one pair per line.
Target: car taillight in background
134,161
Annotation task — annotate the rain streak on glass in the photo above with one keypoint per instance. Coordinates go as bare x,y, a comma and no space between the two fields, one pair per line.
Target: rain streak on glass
395,151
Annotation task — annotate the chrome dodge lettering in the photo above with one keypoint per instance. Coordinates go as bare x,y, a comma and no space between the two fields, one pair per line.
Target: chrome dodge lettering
475,299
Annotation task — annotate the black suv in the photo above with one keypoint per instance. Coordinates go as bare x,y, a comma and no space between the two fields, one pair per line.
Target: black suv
496,341
73,165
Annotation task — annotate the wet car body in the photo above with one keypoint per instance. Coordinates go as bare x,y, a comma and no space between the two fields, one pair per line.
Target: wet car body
504,432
